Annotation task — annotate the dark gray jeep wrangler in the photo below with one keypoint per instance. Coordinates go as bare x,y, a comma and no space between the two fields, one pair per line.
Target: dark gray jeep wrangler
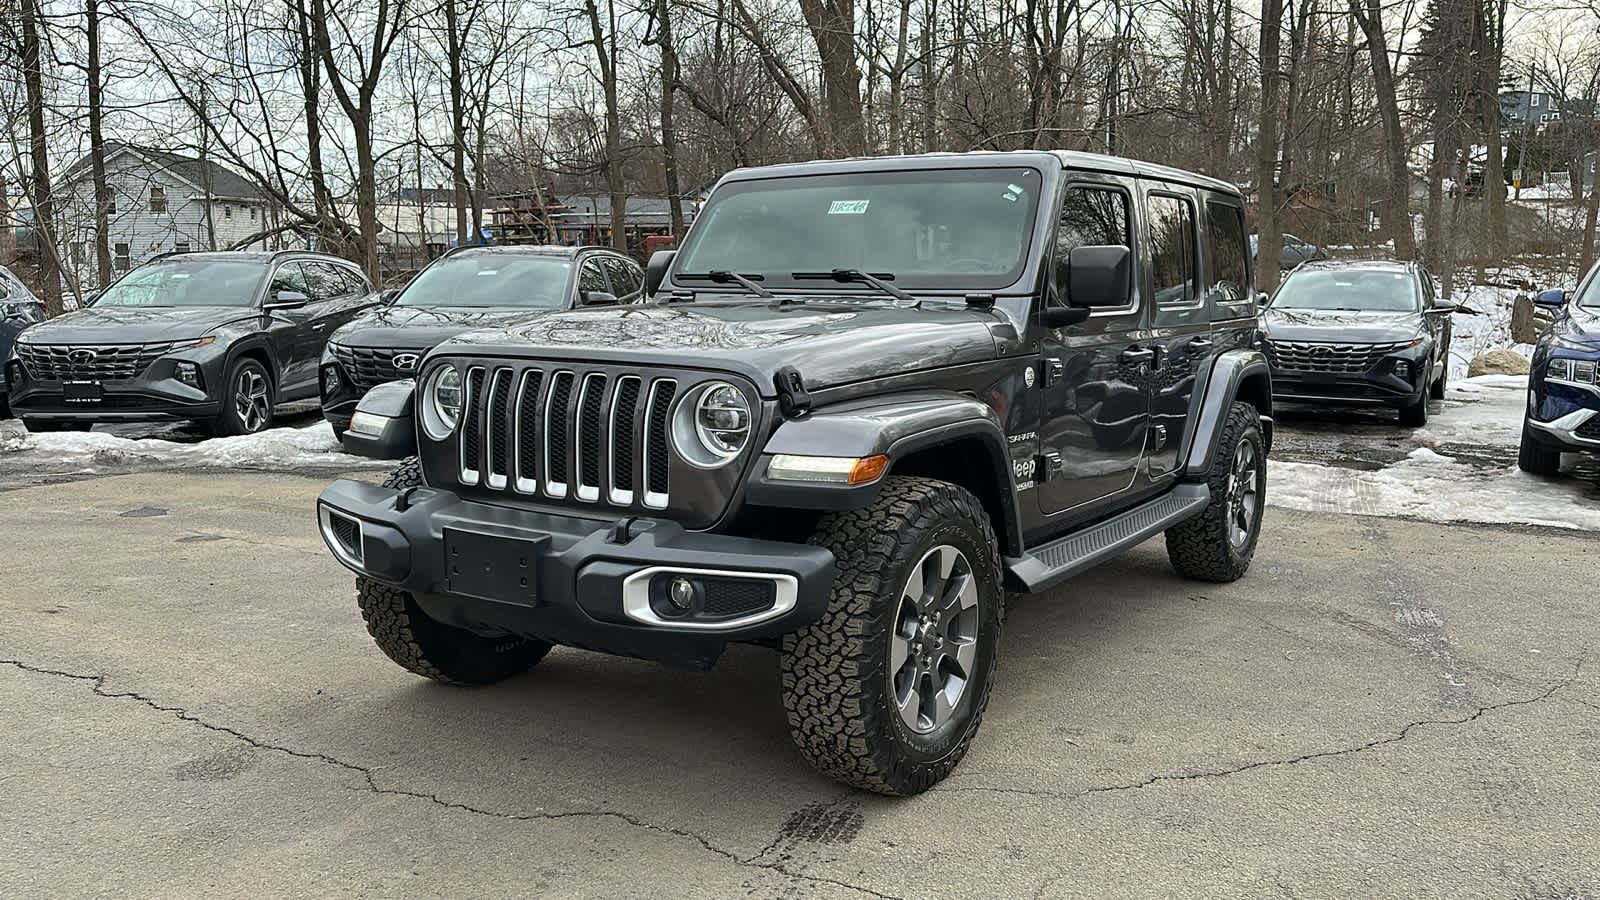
870,398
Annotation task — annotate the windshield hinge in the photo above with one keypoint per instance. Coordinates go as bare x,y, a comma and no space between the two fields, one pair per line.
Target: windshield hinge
980,301
793,401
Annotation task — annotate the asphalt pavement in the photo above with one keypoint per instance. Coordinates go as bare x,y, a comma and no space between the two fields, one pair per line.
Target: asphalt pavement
191,706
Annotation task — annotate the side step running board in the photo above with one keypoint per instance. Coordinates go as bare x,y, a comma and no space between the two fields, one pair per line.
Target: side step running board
1050,564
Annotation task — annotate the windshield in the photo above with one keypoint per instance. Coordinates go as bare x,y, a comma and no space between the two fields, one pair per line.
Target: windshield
1590,298
491,279
187,283
957,228
1356,291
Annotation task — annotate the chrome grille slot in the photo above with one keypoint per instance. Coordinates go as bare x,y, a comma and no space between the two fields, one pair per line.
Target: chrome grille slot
527,432
588,431
1345,359
499,429
90,362
657,458
557,423
472,428
368,367
623,410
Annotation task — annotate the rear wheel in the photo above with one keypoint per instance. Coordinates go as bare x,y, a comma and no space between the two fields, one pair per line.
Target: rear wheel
887,689
247,399
1535,457
1218,544
428,647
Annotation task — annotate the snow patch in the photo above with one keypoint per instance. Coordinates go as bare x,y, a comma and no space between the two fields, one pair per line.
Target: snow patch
1483,412
275,448
1425,489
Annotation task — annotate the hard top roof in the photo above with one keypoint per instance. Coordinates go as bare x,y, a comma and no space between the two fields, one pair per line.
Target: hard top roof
1071,159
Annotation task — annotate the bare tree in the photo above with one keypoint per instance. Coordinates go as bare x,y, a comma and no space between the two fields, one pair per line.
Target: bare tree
1398,202
1269,240
39,183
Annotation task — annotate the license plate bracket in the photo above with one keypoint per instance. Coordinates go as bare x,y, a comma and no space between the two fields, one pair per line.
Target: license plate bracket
82,391
492,566
1320,378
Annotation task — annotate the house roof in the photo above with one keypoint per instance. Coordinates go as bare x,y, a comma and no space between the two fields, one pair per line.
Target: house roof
224,181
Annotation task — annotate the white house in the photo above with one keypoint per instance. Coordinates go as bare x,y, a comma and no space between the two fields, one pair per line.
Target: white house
161,202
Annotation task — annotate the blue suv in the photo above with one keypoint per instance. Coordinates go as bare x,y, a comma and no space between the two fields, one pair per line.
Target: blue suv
1563,412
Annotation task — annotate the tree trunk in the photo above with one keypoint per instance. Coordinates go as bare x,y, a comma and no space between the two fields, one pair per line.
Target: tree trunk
833,28
311,97
1398,202
605,50
669,137
930,80
39,185
1269,239
367,196
97,149
1590,216
458,146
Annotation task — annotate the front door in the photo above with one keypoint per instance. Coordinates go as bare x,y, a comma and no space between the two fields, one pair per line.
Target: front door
1094,376
288,329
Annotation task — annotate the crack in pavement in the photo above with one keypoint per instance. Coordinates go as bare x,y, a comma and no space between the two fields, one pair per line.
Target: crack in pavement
1291,761
97,683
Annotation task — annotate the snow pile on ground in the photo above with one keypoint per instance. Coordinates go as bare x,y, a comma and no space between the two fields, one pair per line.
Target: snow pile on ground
1490,329
1481,412
275,448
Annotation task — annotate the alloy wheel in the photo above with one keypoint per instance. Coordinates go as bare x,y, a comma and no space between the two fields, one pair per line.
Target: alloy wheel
1244,500
934,646
250,401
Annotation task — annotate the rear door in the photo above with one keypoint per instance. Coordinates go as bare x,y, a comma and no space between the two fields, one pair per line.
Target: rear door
1181,337
1094,384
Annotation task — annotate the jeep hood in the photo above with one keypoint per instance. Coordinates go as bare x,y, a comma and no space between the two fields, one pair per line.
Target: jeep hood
1340,326
411,327
137,324
829,343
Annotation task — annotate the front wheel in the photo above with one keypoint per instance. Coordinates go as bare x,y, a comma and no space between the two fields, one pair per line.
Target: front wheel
1218,544
1415,415
1534,457
247,401
886,690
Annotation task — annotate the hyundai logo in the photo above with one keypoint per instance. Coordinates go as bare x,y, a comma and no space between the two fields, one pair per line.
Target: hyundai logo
405,362
82,356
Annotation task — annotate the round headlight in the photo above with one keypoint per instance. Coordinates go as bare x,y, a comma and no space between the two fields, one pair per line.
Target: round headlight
714,426
441,406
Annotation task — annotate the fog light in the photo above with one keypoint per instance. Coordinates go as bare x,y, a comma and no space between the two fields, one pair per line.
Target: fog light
1402,369
189,373
369,424
681,592
330,380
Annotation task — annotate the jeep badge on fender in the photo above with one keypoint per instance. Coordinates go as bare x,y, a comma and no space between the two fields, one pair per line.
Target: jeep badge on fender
818,437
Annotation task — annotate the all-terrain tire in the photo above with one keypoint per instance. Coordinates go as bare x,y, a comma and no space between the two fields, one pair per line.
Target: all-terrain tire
837,687
1537,458
1205,547
428,647
1415,415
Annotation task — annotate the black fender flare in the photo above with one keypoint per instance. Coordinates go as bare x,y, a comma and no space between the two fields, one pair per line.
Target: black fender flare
1236,374
904,427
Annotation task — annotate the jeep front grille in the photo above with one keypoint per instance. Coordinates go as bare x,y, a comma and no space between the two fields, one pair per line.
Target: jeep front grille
1345,359
97,362
368,367
560,433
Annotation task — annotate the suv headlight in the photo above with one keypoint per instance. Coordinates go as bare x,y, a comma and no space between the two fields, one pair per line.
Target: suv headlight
712,426
441,402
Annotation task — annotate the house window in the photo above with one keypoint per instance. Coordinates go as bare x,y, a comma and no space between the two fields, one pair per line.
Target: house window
158,200
227,211
1536,100
181,247
122,262
252,213
111,204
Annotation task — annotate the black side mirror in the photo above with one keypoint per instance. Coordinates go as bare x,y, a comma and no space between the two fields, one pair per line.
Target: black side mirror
1262,299
387,297
1552,298
287,300
655,271
1443,306
599,298
1099,275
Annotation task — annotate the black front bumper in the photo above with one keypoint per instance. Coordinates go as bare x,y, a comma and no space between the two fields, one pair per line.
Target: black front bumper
1361,389
582,582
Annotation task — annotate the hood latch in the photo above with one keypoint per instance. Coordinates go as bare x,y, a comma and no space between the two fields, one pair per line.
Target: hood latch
793,401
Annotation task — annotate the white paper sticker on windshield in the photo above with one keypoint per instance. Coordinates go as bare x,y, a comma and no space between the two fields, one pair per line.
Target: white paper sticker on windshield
848,208
483,272
1014,189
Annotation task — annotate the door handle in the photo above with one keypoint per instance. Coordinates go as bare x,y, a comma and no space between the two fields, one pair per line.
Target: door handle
318,326
1137,355
1199,344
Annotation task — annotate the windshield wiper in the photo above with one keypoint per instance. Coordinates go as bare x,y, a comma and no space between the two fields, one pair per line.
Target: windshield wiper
847,276
723,276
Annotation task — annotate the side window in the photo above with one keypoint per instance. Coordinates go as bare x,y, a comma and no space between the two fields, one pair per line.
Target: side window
355,284
625,280
1226,275
1092,216
323,280
289,277
590,278
1172,250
